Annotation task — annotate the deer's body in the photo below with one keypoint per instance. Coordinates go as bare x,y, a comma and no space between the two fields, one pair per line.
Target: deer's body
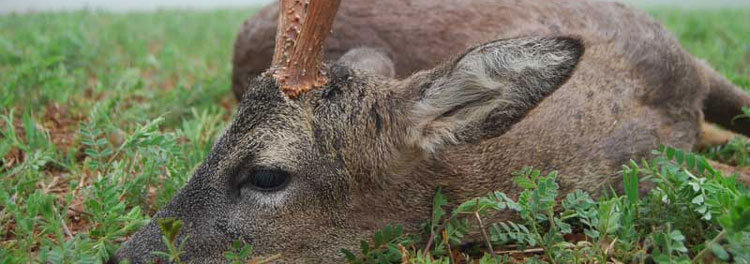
374,149
635,87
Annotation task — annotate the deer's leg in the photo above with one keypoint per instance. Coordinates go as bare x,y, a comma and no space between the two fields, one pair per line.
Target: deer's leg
725,101
712,135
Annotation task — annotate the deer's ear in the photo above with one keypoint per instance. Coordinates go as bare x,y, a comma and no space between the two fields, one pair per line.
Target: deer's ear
369,60
486,90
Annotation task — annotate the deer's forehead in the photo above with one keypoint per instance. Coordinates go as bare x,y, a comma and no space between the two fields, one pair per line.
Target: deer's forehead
322,120
280,149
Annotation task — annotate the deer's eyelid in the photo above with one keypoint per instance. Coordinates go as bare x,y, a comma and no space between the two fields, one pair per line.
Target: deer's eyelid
266,179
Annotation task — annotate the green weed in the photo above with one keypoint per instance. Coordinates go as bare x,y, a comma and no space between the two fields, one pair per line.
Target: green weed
103,117
689,197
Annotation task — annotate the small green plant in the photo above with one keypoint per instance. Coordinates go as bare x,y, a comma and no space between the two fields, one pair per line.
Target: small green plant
385,247
669,246
170,228
735,152
240,252
745,114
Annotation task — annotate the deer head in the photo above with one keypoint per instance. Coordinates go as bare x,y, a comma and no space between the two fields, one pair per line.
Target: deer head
319,156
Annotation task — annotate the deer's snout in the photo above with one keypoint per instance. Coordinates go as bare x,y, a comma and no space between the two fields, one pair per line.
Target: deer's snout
202,211
201,239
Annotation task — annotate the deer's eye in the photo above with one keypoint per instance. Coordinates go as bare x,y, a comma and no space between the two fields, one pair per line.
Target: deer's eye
268,180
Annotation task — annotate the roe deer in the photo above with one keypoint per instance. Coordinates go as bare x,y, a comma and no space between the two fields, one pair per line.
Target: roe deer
318,157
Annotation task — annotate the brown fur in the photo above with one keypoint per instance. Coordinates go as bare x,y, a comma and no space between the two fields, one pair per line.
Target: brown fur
367,150
632,62
712,135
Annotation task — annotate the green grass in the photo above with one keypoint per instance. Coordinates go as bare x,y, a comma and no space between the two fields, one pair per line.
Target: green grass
720,37
98,111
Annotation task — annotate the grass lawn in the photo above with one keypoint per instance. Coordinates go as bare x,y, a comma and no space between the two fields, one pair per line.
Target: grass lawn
103,117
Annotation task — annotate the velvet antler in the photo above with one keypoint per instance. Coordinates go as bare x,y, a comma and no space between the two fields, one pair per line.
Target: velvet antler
298,55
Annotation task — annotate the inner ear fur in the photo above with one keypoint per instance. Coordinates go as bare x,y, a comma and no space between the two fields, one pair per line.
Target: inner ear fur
489,88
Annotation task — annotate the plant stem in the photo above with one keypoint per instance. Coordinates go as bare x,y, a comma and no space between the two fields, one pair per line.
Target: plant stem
269,259
703,252
484,234
432,233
